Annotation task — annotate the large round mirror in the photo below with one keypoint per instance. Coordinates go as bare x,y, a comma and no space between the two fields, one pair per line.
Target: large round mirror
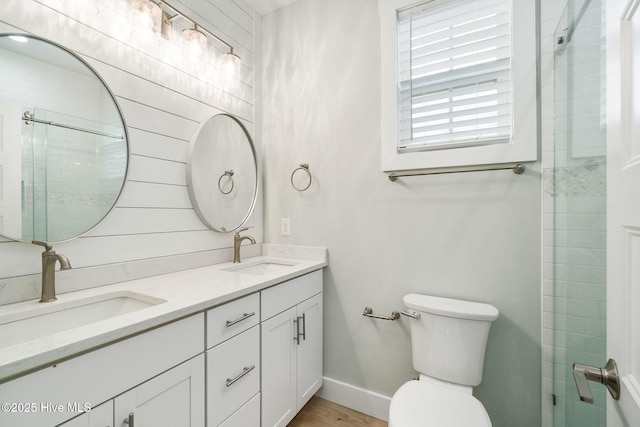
222,175
63,142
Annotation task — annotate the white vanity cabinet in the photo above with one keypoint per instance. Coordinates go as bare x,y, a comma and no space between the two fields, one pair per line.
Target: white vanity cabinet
173,398
251,362
100,416
159,368
291,347
233,363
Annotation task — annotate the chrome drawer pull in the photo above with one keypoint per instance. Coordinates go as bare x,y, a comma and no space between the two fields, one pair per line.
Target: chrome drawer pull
244,316
244,372
129,420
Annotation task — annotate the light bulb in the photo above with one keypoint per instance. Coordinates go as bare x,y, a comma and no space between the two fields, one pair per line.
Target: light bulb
230,68
146,17
195,41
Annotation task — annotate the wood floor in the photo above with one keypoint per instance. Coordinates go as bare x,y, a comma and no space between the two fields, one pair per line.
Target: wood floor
322,413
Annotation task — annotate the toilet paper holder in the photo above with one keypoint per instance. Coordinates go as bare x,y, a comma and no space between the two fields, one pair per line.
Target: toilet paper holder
368,312
395,315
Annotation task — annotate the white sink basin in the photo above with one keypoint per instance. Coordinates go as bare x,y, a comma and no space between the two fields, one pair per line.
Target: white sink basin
41,320
259,268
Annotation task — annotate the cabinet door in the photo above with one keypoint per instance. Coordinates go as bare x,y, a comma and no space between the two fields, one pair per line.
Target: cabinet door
309,349
278,369
100,416
174,398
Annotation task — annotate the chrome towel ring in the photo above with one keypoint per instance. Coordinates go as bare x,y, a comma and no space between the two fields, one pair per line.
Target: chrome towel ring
302,169
229,174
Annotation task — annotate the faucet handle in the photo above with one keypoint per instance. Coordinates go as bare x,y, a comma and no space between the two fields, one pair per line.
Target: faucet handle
241,230
47,247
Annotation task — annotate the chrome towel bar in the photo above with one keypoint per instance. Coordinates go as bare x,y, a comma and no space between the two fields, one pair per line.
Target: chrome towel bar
368,312
517,169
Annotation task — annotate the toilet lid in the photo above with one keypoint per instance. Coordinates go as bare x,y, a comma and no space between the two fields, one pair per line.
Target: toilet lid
421,404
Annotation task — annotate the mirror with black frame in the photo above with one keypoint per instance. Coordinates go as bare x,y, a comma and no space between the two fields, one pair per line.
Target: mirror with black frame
63,142
222,175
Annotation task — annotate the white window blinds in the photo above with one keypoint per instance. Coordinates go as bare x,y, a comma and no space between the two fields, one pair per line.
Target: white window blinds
454,74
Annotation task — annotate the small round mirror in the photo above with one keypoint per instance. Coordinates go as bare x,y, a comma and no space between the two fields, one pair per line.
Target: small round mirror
222,175
63,142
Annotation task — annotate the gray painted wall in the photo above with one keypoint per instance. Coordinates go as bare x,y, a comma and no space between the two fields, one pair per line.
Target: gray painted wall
469,236
472,236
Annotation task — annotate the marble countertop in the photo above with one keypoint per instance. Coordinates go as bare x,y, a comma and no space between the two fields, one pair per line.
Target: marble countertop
185,293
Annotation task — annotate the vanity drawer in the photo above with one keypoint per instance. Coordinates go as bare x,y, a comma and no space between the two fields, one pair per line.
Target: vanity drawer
279,298
99,375
230,319
248,415
233,375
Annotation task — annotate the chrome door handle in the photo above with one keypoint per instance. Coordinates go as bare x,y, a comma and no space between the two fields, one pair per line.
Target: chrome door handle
607,376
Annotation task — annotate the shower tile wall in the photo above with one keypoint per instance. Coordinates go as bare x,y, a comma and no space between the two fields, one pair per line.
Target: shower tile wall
574,288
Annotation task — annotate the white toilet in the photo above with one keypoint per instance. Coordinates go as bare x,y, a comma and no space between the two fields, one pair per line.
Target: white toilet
448,341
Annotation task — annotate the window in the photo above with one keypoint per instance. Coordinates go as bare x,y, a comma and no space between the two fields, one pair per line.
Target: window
459,86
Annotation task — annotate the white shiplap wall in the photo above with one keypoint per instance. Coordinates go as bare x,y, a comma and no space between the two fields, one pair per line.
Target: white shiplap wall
163,96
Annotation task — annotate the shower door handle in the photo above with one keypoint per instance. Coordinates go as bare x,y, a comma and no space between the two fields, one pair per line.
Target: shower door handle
607,376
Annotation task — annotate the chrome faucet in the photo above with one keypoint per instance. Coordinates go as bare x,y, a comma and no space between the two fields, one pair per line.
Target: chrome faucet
237,241
49,258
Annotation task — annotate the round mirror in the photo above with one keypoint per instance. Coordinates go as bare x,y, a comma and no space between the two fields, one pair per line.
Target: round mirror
222,175
63,142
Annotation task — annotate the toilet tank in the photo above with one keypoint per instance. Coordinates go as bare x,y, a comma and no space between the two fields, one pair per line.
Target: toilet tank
450,337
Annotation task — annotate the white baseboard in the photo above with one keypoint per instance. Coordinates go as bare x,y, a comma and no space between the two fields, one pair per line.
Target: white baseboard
356,398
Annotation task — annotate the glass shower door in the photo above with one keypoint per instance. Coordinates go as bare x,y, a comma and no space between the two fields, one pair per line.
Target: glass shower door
579,193
72,171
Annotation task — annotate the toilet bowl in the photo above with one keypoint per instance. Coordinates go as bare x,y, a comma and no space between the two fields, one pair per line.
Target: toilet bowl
424,404
448,340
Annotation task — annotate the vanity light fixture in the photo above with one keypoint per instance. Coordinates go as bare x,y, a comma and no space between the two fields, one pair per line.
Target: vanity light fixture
230,67
146,16
196,38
